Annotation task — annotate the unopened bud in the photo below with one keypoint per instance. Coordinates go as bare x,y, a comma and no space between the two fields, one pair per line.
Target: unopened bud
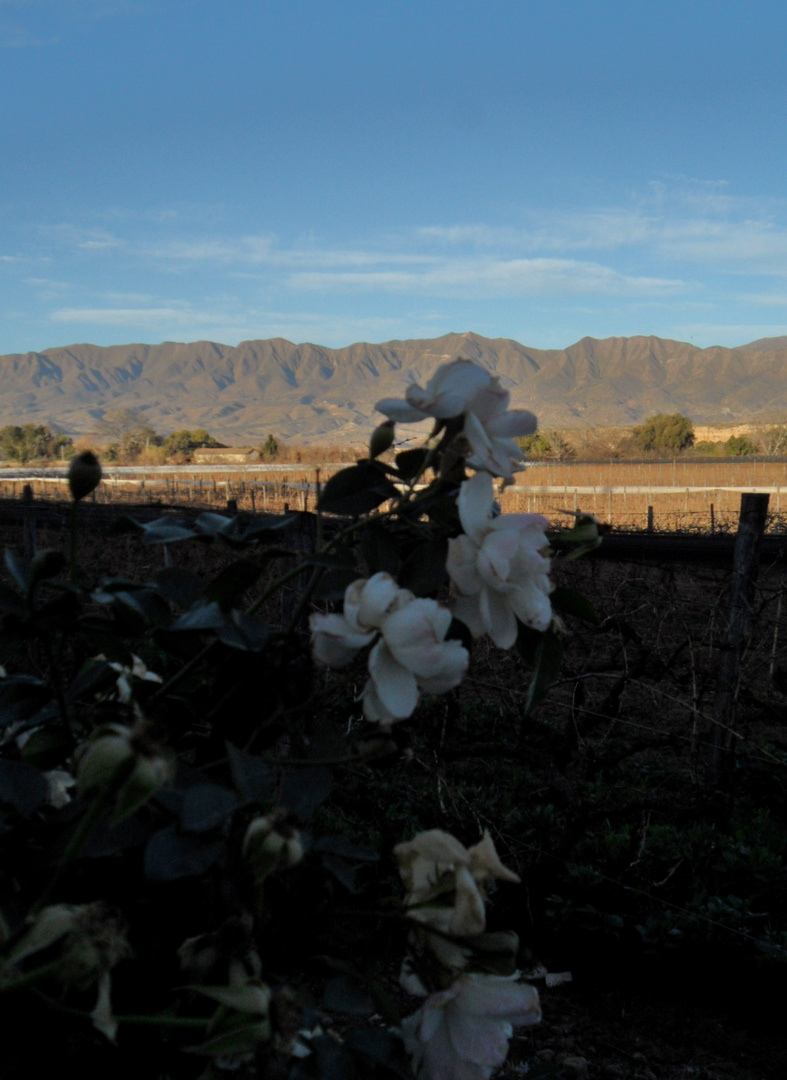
116,756
382,438
271,843
585,530
51,924
101,760
84,475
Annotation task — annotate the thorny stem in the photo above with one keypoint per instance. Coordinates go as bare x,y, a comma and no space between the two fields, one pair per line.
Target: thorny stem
29,978
58,685
73,540
137,1020
92,815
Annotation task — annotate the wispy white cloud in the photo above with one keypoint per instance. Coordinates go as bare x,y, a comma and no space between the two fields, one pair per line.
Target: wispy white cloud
46,283
682,220
80,238
231,326
143,317
21,21
264,250
766,299
475,278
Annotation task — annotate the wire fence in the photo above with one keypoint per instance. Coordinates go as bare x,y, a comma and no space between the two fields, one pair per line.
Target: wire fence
649,503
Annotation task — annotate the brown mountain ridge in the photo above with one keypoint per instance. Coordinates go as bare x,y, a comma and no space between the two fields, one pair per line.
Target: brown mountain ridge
314,394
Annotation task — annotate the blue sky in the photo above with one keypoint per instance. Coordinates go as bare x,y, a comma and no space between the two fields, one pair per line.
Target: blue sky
347,170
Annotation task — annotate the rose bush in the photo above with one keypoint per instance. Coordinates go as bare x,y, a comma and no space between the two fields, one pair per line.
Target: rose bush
209,757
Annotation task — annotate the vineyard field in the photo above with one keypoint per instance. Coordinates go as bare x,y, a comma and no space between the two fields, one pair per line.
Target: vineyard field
683,495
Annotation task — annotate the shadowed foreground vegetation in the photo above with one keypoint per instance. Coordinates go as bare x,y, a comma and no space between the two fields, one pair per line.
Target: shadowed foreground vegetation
660,897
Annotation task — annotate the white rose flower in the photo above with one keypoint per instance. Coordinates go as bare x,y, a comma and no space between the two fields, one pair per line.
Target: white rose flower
462,1033
413,655
336,639
462,388
499,567
410,653
448,393
491,429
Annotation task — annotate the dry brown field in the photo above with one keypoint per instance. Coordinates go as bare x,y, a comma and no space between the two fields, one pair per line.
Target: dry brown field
684,495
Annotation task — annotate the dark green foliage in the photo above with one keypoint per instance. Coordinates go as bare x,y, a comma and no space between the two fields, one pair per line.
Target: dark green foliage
270,448
547,445
739,446
32,442
356,490
183,443
665,433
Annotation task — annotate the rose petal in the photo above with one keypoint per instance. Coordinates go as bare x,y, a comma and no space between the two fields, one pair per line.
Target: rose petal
498,618
514,424
474,504
400,411
395,686
461,566
334,641
377,596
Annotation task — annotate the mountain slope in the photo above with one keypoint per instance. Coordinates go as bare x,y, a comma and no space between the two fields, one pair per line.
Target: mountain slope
312,393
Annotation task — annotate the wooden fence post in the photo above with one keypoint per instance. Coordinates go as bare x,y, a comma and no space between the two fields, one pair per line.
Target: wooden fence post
745,565
650,519
30,521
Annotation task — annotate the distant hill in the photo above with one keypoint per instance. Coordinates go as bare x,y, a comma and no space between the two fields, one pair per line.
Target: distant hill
315,394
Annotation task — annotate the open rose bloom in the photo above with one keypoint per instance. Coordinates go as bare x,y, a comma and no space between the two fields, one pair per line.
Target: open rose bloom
499,567
462,1033
464,389
410,652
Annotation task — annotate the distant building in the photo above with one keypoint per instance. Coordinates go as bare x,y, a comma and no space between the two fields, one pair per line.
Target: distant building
228,455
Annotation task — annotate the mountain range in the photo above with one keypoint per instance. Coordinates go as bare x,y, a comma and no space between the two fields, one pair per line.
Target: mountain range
311,394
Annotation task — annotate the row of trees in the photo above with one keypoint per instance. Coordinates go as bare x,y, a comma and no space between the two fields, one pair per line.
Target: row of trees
123,435
126,436
665,434
30,442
